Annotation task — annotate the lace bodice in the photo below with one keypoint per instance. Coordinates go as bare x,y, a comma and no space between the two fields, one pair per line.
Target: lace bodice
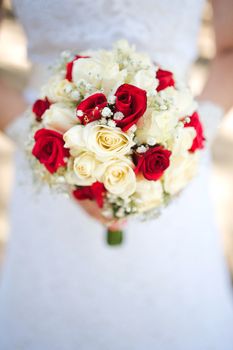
165,29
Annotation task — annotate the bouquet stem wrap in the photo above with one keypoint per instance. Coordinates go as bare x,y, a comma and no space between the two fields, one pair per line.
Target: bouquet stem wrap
114,237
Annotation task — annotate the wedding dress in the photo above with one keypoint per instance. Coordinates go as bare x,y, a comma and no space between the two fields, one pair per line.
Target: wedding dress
62,287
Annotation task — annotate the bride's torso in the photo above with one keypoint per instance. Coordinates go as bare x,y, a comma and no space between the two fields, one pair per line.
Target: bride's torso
166,29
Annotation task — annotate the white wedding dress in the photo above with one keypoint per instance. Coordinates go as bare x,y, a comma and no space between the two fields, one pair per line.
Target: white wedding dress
63,288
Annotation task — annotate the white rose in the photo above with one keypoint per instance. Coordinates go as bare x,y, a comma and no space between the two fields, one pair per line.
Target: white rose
58,90
118,177
74,140
148,195
123,46
183,140
101,72
181,102
123,50
104,141
87,69
112,77
159,125
181,170
145,79
59,117
184,102
111,74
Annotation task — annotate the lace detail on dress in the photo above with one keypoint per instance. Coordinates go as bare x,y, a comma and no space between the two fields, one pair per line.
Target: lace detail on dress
166,29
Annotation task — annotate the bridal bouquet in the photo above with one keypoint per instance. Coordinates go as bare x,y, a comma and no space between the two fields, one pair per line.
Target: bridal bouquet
115,128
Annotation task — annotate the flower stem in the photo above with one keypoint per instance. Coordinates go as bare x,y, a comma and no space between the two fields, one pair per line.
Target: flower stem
114,237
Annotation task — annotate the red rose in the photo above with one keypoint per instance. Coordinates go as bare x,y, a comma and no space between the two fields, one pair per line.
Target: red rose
198,142
49,149
94,192
131,101
69,66
165,79
92,107
39,107
153,162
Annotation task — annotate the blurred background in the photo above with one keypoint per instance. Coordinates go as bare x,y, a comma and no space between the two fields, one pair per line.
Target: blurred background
15,69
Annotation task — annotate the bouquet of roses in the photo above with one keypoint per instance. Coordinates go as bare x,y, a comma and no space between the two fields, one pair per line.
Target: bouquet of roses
115,128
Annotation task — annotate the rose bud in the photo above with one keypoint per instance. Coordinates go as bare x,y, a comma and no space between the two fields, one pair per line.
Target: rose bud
39,107
69,66
198,142
165,79
94,192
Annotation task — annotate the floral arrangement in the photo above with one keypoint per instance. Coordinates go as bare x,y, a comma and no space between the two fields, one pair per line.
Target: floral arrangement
115,128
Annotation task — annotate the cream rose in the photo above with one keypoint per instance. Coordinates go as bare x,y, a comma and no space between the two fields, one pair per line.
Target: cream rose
181,170
148,194
118,177
84,169
108,142
104,141
59,117
81,169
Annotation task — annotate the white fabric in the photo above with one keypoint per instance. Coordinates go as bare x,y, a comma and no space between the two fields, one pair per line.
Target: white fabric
62,287
162,28
211,115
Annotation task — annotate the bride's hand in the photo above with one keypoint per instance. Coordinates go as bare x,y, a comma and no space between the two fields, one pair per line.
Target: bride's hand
92,209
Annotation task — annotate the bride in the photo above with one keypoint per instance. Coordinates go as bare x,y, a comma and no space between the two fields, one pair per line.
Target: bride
167,287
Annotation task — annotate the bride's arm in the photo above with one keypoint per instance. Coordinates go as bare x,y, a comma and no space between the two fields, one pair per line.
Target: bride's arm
12,104
219,86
